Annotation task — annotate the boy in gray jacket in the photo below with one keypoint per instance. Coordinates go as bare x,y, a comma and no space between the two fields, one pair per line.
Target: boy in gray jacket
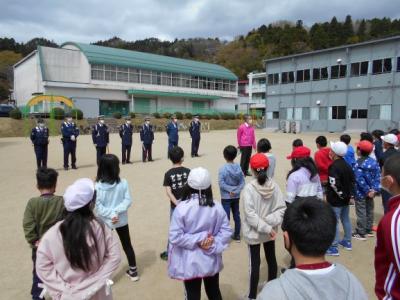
309,227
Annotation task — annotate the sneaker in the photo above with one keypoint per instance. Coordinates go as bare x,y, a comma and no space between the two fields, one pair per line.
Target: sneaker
236,238
346,245
332,251
74,167
164,255
133,275
357,236
370,234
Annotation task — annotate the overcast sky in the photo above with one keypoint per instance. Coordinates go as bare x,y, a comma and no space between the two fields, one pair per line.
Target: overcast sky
93,20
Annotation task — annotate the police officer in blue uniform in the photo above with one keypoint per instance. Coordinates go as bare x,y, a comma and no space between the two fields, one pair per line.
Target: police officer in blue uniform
194,130
69,133
147,138
40,141
126,132
100,137
172,132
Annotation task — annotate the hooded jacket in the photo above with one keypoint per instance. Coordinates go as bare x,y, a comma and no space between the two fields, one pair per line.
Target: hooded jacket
246,136
323,161
263,207
113,200
230,179
190,225
63,282
334,283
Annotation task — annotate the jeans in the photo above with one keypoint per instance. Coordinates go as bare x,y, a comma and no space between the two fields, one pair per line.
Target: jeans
211,285
233,204
342,214
124,236
365,215
385,200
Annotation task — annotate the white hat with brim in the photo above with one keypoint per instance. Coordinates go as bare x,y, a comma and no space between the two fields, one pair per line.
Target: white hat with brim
79,194
199,179
339,148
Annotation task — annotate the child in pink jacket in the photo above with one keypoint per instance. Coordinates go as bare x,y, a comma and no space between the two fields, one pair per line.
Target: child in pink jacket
77,256
246,141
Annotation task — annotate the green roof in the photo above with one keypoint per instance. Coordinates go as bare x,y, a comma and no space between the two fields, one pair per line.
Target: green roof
171,94
135,59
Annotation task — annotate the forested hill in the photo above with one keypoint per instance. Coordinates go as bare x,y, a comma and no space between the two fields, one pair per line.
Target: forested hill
242,55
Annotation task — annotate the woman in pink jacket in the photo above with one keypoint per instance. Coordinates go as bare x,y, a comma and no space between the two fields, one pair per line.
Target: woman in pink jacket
77,256
246,140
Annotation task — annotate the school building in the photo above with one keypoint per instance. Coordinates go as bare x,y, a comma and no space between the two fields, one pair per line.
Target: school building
103,80
349,88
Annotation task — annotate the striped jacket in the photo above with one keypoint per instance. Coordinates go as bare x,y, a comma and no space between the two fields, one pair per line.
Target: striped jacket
387,253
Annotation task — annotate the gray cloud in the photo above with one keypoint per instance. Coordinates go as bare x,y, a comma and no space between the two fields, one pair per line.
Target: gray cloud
91,20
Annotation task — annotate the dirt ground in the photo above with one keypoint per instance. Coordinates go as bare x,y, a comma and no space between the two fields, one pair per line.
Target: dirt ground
148,216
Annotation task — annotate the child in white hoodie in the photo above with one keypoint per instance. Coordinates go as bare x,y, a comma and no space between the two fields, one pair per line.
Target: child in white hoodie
263,207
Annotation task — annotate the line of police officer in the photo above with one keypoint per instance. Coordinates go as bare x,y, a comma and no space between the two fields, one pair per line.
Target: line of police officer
101,139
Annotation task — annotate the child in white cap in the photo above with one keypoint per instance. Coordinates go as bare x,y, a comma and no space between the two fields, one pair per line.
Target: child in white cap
198,235
77,256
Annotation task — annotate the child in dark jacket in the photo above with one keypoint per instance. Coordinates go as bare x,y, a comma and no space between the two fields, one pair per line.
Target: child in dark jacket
367,174
231,182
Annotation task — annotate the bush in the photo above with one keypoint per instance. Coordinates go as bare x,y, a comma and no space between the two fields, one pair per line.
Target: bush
207,116
179,115
228,116
57,113
156,115
239,116
15,114
188,116
216,116
132,115
167,115
77,113
117,115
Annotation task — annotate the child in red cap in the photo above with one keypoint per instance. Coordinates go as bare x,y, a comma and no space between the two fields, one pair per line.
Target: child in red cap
263,207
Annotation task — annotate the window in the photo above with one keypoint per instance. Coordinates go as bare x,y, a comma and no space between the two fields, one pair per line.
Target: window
324,73
275,115
291,77
382,66
276,78
338,112
385,112
289,113
306,113
134,75
145,77
398,64
358,113
303,75
364,68
342,71
287,77
273,78
334,72
316,74
359,69
298,113
320,73
314,113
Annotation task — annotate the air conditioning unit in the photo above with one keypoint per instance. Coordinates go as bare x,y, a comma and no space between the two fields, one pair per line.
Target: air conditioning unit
285,126
295,127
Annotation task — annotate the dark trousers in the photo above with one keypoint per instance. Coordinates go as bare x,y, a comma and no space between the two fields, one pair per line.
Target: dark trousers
232,204
146,152
245,158
255,261
195,145
292,262
69,148
100,151
41,155
171,144
385,200
211,285
36,290
126,153
365,215
125,238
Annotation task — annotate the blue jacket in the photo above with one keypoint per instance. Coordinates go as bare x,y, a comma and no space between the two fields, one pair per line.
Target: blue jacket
230,179
147,134
349,157
100,135
113,200
194,130
172,132
40,136
378,149
368,176
126,132
68,130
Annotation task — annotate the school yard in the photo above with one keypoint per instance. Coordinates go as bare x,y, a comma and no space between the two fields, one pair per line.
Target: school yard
149,214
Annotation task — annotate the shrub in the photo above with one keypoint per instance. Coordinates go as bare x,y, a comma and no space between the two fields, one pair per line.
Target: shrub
117,115
228,116
77,113
188,116
166,115
57,113
216,116
132,115
239,116
15,114
207,116
156,115
179,115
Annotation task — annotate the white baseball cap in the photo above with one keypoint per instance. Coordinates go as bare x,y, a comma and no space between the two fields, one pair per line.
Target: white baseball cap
390,138
339,148
79,194
199,179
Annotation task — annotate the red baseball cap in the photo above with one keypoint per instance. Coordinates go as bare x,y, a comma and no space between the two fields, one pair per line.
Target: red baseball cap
259,161
365,145
299,152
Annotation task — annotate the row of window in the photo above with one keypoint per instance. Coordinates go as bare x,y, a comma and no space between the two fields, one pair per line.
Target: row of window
125,74
379,66
377,112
